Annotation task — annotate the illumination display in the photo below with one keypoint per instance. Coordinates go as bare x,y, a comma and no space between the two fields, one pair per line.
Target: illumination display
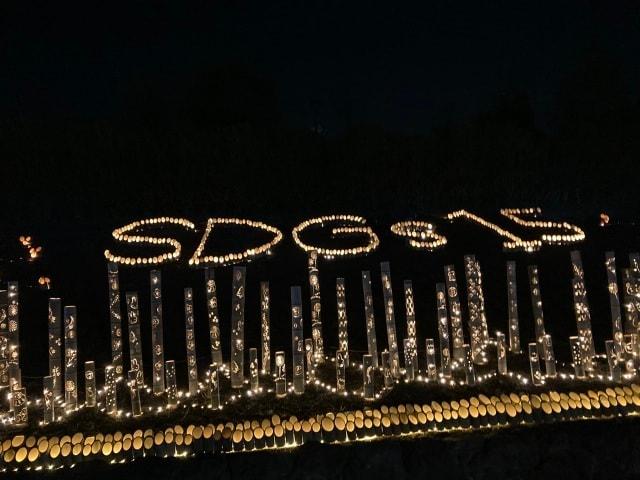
171,383
410,359
214,387
614,301
4,339
369,318
343,330
111,402
237,327
534,362
281,375
536,304
265,326
230,258
576,355
115,316
501,353
212,314
254,370
297,340
90,390
19,402
476,309
410,311
455,313
48,400
190,339
157,343
368,387
316,304
134,392
581,307
443,331
632,316
469,370
549,356
612,358
575,234
341,356
389,381
430,349
308,358
13,317
71,358
346,228
392,339
420,235
127,234
135,339
55,345
512,303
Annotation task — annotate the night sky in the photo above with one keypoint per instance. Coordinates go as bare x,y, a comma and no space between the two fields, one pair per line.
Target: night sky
328,65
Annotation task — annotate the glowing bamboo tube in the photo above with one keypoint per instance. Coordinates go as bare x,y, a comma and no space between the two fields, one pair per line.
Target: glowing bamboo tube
576,354
90,391
135,339
214,387
254,370
612,358
71,358
536,303
631,352
4,339
469,370
157,343
634,267
170,383
549,356
432,371
265,326
410,359
386,370
340,371
443,331
19,402
632,316
308,355
13,317
455,313
368,387
343,330
512,301
316,307
48,398
389,312
581,306
55,345
237,328
476,335
614,301
501,348
281,375
111,403
212,314
115,317
190,338
297,340
369,317
134,392
411,322
534,362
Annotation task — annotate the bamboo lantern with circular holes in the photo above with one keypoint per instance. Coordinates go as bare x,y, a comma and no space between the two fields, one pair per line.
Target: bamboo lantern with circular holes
258,436
279,435
269,437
